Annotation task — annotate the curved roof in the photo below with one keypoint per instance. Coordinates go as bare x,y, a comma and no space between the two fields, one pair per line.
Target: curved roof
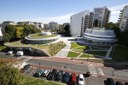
100,35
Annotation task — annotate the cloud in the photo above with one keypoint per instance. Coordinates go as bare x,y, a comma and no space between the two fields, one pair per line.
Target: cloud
60,19
115,10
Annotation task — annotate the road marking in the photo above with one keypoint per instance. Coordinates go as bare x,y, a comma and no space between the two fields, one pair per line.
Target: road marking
100,72
92,70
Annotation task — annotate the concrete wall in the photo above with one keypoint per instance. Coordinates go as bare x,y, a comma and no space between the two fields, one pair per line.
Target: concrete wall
27,51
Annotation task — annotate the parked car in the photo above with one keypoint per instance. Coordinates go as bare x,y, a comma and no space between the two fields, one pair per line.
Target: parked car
81,79
38,73
59,76
9,52
45,73
20,53
51,75
66,77
126,83
110,81
26,67
73,79
119,83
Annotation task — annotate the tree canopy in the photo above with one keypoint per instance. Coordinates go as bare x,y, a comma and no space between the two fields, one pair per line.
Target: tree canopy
14,32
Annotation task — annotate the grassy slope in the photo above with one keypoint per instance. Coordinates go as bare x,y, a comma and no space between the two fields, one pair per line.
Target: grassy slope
37,35
120,53
25,80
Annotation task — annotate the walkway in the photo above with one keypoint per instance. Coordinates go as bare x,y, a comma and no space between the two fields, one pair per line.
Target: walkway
64,52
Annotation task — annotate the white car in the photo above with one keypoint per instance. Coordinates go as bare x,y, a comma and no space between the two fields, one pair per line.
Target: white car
10,52
19,53
81,79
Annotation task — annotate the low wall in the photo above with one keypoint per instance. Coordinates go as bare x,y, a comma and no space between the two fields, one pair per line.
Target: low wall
29,51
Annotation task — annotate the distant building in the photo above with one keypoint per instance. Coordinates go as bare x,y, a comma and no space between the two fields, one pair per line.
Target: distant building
53,25
80,22
101,16
123,19
46,26
25,22
38,25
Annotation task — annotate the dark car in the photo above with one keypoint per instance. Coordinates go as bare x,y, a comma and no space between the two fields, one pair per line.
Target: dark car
66,77
59,76
110,81
26,67
126,83
119,83
38,73
51,75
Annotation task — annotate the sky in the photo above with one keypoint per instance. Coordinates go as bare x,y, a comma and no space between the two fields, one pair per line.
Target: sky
54,10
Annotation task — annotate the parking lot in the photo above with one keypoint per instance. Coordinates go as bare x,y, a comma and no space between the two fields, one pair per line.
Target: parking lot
87,80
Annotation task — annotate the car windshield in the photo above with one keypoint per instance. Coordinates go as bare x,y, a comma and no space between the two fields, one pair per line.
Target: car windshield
81,79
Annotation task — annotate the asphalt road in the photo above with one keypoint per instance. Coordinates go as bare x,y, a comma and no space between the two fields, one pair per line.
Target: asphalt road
62,65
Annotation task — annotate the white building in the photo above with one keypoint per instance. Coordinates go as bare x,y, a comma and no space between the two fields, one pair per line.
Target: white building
99,40
101,16
123,19
1,35
79,22
99,37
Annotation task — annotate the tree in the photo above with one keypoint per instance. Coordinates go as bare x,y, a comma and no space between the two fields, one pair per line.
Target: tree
19,32
8,74
6,37
112,25
67,30
11,29
96,23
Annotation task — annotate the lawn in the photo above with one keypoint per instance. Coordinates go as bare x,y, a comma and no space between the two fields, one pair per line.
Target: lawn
73,54
25,80
50,49
74,45
79,49
87,56
38,35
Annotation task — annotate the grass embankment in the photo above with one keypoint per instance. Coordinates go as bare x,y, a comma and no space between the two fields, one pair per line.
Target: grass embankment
2,47
38,35
25,80
50,49
120,53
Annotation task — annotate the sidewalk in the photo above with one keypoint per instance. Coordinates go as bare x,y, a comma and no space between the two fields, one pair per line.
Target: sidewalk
64,52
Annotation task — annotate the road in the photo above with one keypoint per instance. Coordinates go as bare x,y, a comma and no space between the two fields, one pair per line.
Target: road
62,65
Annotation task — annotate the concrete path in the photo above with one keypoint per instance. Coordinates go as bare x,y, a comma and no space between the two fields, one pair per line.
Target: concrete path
64,52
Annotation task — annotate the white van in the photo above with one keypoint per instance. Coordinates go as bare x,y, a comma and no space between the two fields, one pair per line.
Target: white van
20,53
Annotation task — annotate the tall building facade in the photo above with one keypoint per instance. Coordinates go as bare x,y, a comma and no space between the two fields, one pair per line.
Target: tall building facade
79,22
123,19
101,16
